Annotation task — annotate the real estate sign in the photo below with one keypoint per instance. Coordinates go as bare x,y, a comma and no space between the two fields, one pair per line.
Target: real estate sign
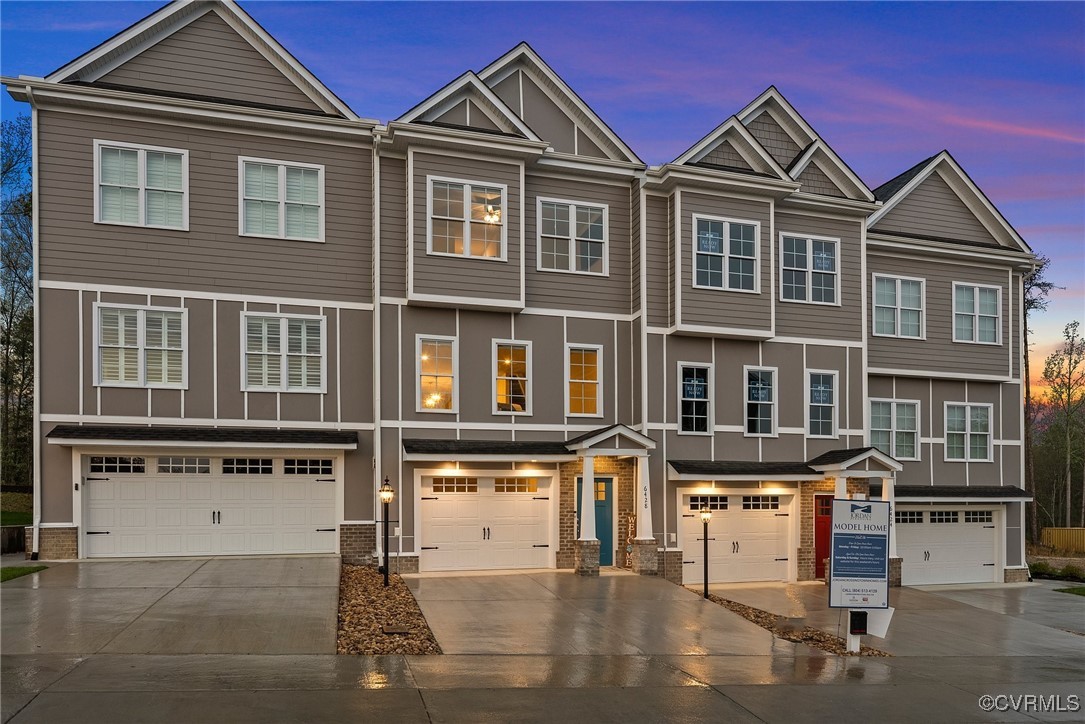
859,563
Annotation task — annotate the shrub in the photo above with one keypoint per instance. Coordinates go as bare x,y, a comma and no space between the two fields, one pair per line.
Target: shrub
1040,569
1072,572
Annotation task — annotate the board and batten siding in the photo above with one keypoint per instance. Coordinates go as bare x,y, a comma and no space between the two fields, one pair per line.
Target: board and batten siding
803,319
393,227
938,353
208,58
934,209
582,292
211,256
722,307
486,280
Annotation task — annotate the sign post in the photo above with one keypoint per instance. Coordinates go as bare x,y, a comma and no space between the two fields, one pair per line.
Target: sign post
859,563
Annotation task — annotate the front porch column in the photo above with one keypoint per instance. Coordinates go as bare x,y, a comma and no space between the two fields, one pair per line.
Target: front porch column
895,561
587,545
840,492
645,554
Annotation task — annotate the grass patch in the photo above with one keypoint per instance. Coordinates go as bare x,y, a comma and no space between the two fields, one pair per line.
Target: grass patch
17,502
1076,590
10,517
6,574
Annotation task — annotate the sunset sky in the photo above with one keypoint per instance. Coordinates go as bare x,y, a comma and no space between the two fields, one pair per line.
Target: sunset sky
886,84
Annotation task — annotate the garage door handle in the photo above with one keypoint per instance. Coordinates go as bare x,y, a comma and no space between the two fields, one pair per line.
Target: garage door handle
547,497
547,545
325,530
97,532
988,564
989,526
686,562
781,559
431,548
90,479
424,498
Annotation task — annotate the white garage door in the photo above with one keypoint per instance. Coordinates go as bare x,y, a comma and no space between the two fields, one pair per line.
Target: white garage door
947,545
191,506
748,538
475,523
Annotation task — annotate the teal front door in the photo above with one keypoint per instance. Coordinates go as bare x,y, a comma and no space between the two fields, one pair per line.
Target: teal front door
604,517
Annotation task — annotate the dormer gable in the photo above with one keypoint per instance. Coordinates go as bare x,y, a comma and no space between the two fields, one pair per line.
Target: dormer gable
731,147
937,200
546,103
469,104
208,50
820,171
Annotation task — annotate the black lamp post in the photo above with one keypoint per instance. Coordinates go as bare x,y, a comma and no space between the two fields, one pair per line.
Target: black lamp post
706,515
386,494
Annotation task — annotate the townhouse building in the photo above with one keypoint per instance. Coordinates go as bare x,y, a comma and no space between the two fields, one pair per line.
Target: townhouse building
255,306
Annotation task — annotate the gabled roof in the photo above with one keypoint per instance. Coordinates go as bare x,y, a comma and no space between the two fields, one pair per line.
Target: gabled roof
430,449
834,460
170,18
735,133
846,458
470,86
820,154
588,439
961,492
897,189
523,55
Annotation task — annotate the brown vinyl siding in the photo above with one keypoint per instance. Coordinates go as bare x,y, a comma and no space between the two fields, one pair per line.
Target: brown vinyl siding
456,114
59,357
790,383
56,481
938,352
934,209
548,365
587,147
799,319
1016,324
208,58
477,332
582,292
730,392
393,227
480,279
199,397
508,90
425,322
724,308
814,181
211,256
774,138
392,368
548,121
726,155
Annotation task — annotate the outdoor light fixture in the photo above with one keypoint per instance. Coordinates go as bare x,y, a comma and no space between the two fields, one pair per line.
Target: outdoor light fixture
386,494
706,515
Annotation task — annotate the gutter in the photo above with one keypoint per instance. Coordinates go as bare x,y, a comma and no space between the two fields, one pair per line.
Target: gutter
35,547
378,474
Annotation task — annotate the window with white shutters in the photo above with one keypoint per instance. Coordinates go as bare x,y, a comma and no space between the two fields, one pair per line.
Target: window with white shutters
141,185
280,199
141,346
284,353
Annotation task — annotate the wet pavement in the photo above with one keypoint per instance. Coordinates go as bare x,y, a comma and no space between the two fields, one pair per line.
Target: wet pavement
124,642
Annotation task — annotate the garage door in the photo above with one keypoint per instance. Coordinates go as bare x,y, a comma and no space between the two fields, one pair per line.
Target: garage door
748,538
475,523
188,506
947,545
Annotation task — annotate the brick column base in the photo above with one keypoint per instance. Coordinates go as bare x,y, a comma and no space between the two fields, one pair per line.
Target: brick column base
1015,575
54,544
895,565
645,557
402,564
587,557
358,543
669,564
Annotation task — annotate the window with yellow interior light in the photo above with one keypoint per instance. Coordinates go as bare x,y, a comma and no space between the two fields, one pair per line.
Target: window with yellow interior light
583,391
512,377
466,219
437,374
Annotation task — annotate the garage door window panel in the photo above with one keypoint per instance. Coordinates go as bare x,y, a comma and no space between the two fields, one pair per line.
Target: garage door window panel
117,464
298,466
455,485
184,466
516,485
247,466
714,502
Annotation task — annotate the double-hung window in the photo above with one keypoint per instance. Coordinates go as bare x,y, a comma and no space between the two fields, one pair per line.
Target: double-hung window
809,270
894,428
466,219
572,237
968,432
140,185
821,396
725,254
281,199
760,401
437,374
512,377
695,399
141,346
584,364
976,314
283,353
898,307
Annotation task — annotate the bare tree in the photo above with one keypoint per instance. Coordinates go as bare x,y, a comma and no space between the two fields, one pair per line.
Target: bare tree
1064,373
1036,290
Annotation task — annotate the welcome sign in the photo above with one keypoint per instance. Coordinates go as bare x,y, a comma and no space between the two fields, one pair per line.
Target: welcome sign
859,564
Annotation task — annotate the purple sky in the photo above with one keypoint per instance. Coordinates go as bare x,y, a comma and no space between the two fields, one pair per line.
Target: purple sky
1001,85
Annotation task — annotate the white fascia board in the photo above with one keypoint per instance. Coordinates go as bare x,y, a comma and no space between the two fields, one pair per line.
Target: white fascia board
892,244
484,142
236,445
876,455
700,478
1003,226
676,173
453,457
609,432
771,94
732,125
954,500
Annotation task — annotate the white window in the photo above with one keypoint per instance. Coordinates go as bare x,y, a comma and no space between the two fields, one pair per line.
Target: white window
283,353
968,432
466,218
437,365
572,237
140,185
760,401
725,254
281,199
894,428
695,398
584,390
512,377
808,269
141,346
976,314
898,307
821,403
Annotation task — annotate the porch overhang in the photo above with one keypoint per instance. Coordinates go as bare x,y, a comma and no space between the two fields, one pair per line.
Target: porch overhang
200,437
616,440
833,464
960,494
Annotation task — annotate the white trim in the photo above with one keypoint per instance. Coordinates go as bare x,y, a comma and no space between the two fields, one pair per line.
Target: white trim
84,443
494,343
284,354
141,346
282,166
807,403
919,439
504,305
419,407
454,457
968,432
897,279
445,99
719,134
816,341
197,294
599,396
838,167
725,254
468,187
976,314
141,181
573,206
901,372
809,270
746,369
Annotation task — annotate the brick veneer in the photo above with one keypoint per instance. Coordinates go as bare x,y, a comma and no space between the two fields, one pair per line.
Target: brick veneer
403,564
645,557
623,471
358,543
807,491
896,566
587,557
670,565
54,544
1015,575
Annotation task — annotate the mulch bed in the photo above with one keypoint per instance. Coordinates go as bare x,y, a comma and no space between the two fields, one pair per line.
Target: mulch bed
781,627
366,607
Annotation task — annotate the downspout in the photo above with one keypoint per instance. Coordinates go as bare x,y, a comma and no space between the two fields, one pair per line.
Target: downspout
35,204
377,449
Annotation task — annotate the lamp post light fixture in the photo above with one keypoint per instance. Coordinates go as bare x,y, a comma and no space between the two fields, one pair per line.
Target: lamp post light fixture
387,494
706,515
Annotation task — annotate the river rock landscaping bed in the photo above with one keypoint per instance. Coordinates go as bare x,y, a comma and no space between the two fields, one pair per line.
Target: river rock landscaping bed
369,612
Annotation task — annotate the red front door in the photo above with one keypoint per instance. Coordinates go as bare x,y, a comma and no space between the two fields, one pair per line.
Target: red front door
823,530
